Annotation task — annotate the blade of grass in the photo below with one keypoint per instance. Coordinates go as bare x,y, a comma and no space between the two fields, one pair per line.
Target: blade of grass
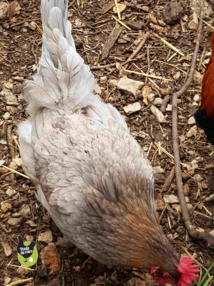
208,281
205,275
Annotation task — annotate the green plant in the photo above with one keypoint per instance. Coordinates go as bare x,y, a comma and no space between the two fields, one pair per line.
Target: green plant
200,282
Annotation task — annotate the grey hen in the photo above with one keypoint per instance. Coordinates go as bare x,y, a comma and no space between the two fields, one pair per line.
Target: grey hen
90,173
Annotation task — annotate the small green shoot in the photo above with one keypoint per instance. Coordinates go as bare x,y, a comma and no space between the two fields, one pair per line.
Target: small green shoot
200,282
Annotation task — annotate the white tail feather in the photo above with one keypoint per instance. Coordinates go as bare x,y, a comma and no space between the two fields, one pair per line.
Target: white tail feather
62,78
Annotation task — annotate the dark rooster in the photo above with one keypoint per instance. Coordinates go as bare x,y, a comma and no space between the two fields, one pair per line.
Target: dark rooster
205,114
90,173
23,250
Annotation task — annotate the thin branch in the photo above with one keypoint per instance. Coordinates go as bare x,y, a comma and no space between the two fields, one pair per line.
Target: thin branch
190,227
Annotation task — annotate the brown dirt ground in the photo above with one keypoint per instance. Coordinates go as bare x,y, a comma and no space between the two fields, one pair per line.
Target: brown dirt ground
19,53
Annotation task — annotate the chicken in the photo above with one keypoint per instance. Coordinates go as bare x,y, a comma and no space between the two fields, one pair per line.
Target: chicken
23,250
205,114
90,173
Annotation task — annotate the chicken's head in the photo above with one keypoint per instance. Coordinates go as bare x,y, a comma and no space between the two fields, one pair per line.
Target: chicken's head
186,272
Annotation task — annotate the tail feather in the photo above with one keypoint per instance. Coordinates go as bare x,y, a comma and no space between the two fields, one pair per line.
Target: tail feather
207,94
206,123
62,78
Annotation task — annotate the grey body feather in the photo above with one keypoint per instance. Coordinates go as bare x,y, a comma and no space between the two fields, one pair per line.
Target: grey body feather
90,173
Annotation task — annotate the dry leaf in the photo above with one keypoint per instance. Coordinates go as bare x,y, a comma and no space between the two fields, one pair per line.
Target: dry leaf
13,20
50,258
13,9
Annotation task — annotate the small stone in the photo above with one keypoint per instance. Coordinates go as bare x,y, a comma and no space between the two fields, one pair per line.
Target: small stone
192,131
120,6
7,249
129,85
5,207
169,107
8,85
3,10
152,17
31,223
18,161
156,27
113,82
3,171
198,178
60,241
151,97
158,114
165,91
212,232
24,30
3,142
159,204
23,271
97,89
46,236
191,120
111,99
14,221
25,210
145,8
32,26
177,75
207,9
132,108
145,148
103,79
197,78
204,185
26,24
196,97
6,115
186,190
7,280
18,78
200,229
28,237
170,199
10,192
13,166
158,101
10,98
173,12
193,23
158,170
146,90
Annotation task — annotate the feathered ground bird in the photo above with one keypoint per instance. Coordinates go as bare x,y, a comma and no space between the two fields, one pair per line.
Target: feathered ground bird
90,173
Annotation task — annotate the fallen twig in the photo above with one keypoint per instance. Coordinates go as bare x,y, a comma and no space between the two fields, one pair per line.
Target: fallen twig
21,281
11,147
168,44
210,198
16,172
168,180
139,47
190,227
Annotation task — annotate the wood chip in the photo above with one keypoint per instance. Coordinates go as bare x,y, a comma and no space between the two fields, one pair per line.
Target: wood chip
111,41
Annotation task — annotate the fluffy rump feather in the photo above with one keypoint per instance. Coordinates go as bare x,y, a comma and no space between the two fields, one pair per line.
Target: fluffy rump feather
62,78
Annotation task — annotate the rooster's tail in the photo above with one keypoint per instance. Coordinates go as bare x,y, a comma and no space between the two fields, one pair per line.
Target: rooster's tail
62,79
205,114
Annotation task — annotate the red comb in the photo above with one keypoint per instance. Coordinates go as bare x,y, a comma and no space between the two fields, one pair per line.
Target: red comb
187,271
